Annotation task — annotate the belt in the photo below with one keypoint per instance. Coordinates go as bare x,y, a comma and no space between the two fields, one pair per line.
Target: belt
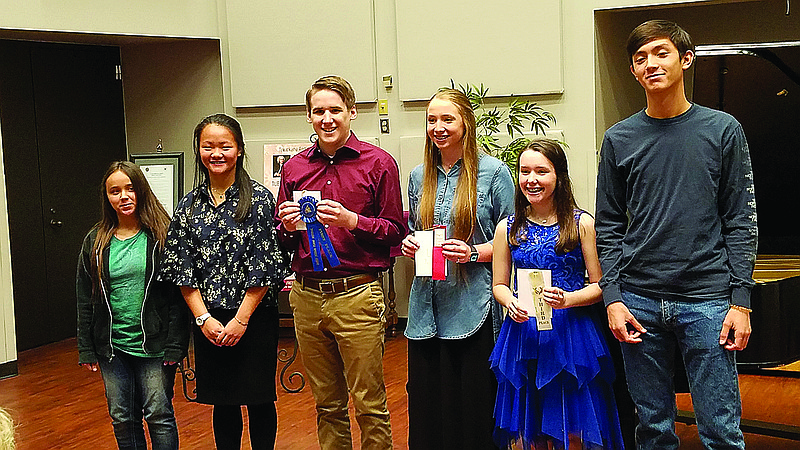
336,285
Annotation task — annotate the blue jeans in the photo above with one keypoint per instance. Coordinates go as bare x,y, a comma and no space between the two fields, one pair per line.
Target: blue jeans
694,328
140,388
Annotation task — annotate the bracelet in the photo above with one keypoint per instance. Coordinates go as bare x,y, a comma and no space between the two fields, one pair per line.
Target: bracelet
240,322
741,309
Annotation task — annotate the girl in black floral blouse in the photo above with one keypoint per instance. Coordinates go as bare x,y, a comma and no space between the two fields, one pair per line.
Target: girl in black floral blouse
223,252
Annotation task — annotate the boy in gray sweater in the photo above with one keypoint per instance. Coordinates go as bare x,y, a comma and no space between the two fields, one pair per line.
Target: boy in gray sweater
677,238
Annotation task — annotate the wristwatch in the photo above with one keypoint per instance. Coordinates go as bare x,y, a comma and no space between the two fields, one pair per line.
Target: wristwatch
201,319
474,255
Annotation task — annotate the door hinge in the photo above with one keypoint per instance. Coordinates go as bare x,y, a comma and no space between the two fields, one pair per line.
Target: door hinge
118,72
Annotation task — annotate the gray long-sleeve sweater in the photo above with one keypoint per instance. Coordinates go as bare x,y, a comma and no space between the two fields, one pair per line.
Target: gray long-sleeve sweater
676,214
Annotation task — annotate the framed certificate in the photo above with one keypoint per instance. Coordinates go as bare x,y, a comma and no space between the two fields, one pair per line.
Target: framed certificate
164,173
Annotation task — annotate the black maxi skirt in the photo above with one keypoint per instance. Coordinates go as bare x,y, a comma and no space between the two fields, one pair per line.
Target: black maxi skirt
451,392
245,373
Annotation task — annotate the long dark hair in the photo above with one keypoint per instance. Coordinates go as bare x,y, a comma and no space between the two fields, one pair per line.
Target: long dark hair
149,211
242,180
564,199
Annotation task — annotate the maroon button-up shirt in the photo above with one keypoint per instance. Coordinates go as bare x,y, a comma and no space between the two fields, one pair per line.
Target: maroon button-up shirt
366,180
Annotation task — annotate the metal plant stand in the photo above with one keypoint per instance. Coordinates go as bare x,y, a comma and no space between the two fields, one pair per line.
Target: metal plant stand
188,376
288,359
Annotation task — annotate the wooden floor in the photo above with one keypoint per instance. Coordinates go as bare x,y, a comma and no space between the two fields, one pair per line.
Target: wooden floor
59,405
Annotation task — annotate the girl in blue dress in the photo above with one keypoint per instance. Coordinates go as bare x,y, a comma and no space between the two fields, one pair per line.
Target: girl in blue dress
554,386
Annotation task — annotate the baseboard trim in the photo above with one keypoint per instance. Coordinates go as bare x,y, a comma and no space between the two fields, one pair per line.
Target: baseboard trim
9,369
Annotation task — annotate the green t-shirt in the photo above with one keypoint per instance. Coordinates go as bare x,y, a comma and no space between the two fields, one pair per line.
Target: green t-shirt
127,262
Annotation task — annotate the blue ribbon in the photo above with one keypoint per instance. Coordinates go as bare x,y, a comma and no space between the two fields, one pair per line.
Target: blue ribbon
318,240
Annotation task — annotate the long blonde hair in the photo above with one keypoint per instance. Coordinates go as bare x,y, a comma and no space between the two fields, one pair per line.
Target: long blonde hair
466,199
6,431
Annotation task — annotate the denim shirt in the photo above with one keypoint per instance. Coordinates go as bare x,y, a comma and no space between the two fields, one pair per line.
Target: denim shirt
452,308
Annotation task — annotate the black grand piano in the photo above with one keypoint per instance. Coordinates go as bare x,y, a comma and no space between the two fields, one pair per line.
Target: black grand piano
760,86
776,308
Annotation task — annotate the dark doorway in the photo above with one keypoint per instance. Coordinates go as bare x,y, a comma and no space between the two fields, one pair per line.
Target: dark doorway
62,119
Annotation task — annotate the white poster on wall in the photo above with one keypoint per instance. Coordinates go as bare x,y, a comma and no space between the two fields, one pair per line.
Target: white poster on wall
275,156
161,181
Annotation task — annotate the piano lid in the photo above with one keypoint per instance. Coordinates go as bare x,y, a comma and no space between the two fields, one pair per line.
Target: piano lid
759,84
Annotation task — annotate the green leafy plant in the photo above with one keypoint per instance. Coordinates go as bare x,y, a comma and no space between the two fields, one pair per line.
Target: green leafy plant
515,120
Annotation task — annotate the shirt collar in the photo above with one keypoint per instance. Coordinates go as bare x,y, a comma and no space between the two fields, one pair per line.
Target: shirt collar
352,146
203,188
455,164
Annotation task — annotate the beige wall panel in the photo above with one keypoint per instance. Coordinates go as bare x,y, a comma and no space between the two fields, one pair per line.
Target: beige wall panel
512,46
278,49
141,17
169,87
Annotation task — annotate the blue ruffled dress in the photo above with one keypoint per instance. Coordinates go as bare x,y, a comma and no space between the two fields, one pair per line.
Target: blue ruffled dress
557,382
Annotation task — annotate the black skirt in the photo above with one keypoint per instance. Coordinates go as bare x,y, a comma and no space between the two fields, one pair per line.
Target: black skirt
451,392
245,373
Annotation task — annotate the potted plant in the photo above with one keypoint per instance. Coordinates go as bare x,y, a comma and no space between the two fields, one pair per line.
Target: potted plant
515,119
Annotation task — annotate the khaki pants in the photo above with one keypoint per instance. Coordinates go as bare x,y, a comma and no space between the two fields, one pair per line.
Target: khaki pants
341,338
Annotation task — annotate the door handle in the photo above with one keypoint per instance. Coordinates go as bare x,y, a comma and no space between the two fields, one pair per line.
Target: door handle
55,223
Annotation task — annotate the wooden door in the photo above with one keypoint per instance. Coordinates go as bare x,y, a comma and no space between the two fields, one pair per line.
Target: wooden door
62,118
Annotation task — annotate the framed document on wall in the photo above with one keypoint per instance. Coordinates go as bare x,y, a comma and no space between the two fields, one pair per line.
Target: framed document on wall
164,172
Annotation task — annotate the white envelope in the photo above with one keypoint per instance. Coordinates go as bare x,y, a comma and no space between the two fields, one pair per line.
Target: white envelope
423,258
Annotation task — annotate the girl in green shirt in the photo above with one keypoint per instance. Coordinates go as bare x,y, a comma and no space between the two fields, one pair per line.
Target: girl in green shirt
131,327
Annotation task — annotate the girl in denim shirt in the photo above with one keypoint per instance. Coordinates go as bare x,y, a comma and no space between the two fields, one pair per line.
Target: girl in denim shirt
451,323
